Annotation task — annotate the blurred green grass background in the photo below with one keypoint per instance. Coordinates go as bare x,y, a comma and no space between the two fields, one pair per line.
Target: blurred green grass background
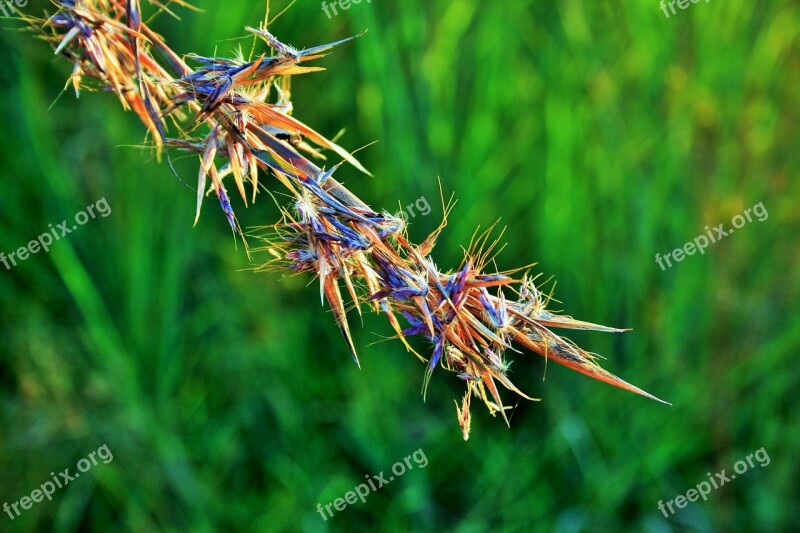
601,133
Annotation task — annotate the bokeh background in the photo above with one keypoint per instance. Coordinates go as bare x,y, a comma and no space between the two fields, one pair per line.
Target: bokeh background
600,133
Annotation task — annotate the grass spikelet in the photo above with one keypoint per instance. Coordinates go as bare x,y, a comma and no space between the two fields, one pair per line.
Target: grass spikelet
235,114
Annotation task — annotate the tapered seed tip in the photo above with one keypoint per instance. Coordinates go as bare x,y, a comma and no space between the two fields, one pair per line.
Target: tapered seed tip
640,392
